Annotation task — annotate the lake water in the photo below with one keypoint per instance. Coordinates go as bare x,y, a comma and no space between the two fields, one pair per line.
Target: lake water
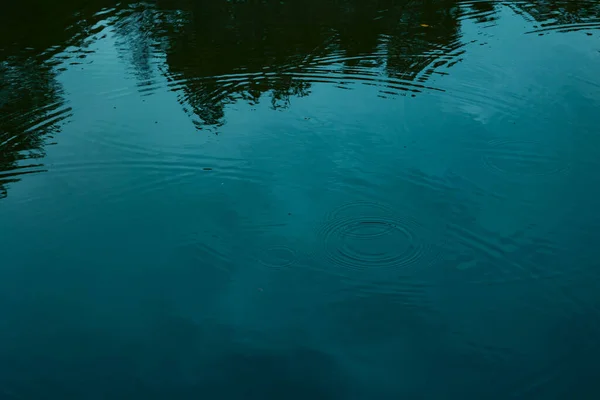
311,199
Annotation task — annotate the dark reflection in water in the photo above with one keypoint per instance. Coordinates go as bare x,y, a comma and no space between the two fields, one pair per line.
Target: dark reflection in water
249,49
32,107
292,199
219,52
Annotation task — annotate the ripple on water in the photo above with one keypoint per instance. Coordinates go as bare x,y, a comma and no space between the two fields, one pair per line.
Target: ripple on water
364,235
380,311
118,149
210,90
26,129
205,94
212,250
278,256
531,255
119,179
518,159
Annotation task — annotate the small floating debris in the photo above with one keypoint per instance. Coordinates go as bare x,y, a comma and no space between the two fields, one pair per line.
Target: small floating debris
207,169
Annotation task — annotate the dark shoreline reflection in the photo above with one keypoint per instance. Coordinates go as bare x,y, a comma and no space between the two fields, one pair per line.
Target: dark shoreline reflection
29,98
219,52
251,50
32,105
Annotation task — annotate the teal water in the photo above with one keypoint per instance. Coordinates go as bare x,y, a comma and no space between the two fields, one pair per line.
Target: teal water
299,199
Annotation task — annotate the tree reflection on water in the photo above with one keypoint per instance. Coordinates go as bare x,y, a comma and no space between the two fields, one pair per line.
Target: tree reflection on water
219,52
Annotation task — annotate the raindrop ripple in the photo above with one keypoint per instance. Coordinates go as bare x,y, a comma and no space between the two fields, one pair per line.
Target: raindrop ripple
364,236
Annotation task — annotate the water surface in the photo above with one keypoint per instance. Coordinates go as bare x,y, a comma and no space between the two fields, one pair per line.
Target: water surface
299,199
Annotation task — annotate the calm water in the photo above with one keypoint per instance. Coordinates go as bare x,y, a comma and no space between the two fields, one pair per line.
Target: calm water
311,199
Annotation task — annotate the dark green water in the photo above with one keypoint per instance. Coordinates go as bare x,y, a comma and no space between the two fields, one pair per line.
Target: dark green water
318,199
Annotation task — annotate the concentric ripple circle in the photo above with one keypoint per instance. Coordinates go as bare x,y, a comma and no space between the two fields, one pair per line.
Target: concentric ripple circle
278,257
365,235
